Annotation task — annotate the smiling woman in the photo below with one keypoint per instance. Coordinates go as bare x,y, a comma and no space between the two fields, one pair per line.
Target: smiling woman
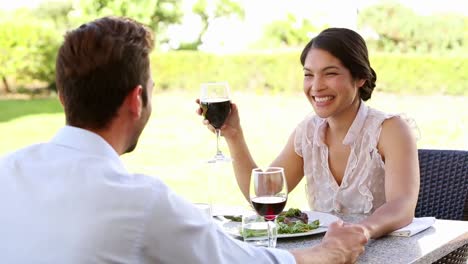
355,159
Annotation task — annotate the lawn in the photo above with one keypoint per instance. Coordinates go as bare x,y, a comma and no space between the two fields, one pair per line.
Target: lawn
175,144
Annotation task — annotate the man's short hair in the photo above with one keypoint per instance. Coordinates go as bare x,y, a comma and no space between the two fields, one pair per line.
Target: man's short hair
97,66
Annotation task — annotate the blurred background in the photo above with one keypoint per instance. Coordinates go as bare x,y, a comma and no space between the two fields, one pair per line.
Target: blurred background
419,50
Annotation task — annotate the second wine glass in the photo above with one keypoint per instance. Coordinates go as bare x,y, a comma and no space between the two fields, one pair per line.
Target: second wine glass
268,193
216,105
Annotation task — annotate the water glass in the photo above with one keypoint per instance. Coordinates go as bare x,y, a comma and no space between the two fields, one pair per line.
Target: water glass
255,230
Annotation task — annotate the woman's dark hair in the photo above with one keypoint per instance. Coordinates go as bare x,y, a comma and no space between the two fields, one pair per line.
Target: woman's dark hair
98,65
350,48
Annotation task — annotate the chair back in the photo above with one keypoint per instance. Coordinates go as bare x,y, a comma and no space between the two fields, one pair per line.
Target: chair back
444,183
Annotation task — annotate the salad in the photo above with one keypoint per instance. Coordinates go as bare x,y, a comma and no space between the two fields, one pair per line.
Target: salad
295,221
289,222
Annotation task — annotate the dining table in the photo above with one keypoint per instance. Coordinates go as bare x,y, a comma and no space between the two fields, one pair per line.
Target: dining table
428,246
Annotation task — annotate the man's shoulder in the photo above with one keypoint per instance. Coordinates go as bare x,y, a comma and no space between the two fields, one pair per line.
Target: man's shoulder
145,179
21,152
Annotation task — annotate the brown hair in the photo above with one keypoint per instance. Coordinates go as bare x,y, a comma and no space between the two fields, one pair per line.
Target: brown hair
350,48
97,66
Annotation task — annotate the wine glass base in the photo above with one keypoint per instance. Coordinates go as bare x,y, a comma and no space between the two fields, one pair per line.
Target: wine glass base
219,159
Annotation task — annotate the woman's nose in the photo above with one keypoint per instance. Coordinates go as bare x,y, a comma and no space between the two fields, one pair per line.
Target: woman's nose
317,84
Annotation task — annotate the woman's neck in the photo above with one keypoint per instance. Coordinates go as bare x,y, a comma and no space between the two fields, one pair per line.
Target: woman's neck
339,125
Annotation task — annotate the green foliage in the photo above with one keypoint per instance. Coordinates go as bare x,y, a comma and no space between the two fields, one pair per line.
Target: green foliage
28,48
155,13
209,11
29,39
158,14
56,11
421,74
291,32
402,30
250,72
282,72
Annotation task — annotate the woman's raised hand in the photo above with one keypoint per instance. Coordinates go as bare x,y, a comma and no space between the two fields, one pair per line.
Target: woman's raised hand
230,127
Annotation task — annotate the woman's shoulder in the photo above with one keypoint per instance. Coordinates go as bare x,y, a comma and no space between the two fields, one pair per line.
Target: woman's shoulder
379,114
393,122
308,126
385,120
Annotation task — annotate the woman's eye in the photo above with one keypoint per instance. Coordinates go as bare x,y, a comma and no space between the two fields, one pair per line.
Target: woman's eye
308,75
331,73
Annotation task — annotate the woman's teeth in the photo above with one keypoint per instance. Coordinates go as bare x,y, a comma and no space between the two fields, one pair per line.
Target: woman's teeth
323,99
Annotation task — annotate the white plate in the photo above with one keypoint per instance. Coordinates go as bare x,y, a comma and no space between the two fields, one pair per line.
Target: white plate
324,218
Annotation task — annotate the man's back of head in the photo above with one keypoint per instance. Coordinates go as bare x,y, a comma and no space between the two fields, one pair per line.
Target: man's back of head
98,65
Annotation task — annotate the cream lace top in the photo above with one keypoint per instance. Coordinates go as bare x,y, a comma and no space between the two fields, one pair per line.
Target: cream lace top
362,189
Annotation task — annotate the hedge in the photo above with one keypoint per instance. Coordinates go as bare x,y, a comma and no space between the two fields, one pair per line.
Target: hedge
282,72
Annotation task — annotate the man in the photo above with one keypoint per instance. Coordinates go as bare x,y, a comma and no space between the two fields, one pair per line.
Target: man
72,201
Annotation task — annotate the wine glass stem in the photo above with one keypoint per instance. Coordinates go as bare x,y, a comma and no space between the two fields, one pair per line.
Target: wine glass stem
271,240
218,135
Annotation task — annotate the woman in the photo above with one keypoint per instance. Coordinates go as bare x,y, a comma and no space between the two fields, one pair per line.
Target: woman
357,160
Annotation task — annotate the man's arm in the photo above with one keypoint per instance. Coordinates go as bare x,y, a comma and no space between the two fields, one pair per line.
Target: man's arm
343,243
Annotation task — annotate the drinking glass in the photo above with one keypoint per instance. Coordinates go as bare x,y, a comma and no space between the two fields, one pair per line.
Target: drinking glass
268,194
216,105
255,230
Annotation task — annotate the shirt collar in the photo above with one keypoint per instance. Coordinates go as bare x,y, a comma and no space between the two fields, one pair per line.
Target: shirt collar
353,130
357,124
85,141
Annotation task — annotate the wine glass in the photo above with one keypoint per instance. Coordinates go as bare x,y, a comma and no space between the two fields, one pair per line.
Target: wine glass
268,193
216,105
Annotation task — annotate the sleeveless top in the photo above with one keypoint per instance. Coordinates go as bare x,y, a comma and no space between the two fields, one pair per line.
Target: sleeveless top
362,189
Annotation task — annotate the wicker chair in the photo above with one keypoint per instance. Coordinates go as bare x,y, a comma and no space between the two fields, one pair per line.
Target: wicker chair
443,191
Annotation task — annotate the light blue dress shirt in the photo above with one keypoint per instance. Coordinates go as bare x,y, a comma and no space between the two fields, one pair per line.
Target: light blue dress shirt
71,200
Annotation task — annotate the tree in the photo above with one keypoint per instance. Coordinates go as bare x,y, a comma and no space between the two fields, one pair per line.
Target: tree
27,49
290,32
29,39
158,14
400,29
56,11
208,11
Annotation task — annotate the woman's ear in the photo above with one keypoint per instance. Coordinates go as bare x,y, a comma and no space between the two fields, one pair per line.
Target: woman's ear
360,82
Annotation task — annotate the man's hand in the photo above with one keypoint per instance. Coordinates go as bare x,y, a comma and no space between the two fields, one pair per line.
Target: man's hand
343,243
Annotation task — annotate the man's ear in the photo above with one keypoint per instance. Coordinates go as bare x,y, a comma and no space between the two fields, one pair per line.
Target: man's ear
134,101
61,98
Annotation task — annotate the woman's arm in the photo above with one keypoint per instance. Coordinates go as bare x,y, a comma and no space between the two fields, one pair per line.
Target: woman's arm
292,163
243,162
399,152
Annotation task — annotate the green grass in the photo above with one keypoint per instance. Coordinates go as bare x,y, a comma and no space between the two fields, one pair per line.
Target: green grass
175,144
13,109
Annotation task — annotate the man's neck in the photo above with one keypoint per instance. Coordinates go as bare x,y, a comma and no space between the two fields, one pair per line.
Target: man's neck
115,140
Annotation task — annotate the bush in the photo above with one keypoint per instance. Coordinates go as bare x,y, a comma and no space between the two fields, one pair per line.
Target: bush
282,72
28,49
420,74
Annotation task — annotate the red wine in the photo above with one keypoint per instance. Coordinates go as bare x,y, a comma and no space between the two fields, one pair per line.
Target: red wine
269,206
216,110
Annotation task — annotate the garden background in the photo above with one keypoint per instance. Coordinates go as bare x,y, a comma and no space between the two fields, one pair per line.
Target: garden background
420,60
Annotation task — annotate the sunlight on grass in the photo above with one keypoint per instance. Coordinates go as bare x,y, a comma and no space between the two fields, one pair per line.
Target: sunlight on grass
175,144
